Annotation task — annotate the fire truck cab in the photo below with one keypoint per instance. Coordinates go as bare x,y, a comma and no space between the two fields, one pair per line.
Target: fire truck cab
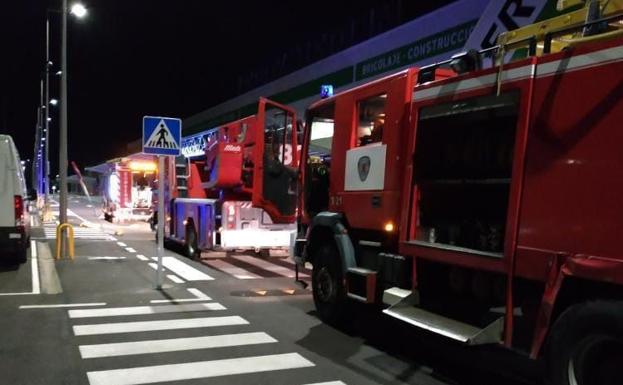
215,203
481,204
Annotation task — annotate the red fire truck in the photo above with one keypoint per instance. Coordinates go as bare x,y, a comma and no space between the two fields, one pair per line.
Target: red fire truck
211,190
483,205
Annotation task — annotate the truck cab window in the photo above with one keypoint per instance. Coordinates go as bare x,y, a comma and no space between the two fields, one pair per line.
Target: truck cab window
371,120
321,123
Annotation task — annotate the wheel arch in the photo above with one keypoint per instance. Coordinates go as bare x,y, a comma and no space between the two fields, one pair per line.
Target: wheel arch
330,227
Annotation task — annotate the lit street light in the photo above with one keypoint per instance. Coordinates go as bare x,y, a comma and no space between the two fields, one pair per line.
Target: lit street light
79,11
53,102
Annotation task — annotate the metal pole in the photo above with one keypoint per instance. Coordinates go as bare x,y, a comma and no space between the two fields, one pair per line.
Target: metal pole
62,158
47,107
161,219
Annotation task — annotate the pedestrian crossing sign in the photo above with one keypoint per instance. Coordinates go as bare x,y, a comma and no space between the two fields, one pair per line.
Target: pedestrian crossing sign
161,136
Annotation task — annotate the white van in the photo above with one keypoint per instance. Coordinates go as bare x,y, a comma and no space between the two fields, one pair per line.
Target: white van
14,218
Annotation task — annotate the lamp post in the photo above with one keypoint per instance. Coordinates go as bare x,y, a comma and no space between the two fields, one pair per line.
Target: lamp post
79,11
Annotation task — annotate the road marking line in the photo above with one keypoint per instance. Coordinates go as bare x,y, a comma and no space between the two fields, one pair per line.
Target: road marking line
183,270
112,238
179,300
175,278
328,383
197,293
34,268
130,250
173,345
262,264
230,269
61,305
141,310
29,293
195,370
148,326
142,257
105,258
122,244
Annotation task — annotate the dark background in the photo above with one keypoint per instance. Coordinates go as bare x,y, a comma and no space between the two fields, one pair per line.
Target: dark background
130,58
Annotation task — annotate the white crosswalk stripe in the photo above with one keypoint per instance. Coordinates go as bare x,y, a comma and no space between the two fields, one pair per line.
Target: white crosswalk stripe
79,233
265,265
202,369
126,341
249,267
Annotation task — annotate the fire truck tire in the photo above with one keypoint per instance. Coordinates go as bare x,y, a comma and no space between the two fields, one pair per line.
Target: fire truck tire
191,249
327,284
586,345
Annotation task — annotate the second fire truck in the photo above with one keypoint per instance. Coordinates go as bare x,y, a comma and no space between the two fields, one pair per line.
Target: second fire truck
211,191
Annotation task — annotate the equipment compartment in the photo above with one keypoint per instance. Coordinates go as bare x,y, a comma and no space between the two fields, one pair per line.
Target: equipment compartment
463,165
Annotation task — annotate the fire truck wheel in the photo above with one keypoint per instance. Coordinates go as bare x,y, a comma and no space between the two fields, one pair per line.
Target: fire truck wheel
327,284
190,245
586,345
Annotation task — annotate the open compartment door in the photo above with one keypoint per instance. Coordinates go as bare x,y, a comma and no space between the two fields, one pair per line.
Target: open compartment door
275,166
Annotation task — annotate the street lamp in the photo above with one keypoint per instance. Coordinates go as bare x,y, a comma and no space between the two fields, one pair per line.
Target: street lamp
53,102
79,11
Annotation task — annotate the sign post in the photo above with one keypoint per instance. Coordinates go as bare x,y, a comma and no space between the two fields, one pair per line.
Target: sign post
162,137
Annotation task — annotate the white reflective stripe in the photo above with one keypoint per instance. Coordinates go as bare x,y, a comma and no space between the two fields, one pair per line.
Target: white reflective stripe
173,345
142,257
121,244
574,63
130,250
231,269
62,305
281,270
147,326
195,370
185,271
140,310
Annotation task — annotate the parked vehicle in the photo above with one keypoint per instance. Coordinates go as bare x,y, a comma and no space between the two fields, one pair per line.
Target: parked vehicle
480,205
14,203
209,190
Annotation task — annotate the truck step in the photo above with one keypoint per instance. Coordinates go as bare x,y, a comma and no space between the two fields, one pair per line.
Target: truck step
447,327
394,295
361,284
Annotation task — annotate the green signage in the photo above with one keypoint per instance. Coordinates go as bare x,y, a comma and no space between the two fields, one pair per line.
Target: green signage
433,45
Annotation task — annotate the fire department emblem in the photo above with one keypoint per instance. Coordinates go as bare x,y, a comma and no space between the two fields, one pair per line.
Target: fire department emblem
363,167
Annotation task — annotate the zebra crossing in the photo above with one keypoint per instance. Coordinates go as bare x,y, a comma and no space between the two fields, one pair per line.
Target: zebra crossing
127,338
86,233
246,267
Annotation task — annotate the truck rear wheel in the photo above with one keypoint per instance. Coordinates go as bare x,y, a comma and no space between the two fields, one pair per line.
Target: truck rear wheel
328,284
586,345
191,248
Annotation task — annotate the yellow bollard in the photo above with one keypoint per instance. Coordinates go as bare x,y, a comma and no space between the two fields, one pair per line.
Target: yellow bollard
70,234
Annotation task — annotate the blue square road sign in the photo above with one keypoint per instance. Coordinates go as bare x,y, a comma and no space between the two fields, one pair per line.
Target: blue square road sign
162,136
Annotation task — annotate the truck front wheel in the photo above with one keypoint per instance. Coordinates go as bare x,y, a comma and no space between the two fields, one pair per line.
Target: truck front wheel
586,345
328,284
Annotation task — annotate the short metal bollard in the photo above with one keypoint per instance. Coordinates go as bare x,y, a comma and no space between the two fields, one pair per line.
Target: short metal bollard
70,239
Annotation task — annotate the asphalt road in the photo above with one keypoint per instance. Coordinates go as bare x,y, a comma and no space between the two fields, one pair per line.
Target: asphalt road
227,319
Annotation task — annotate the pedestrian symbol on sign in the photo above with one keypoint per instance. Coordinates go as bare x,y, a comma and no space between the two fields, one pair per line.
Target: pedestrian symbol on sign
161,137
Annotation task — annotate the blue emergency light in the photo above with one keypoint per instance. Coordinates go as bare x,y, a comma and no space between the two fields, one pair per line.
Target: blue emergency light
326,91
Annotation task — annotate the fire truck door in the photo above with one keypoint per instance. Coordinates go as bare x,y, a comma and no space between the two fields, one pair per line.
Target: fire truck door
275,162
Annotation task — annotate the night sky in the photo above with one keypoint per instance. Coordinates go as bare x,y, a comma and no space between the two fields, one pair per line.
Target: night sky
131,58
